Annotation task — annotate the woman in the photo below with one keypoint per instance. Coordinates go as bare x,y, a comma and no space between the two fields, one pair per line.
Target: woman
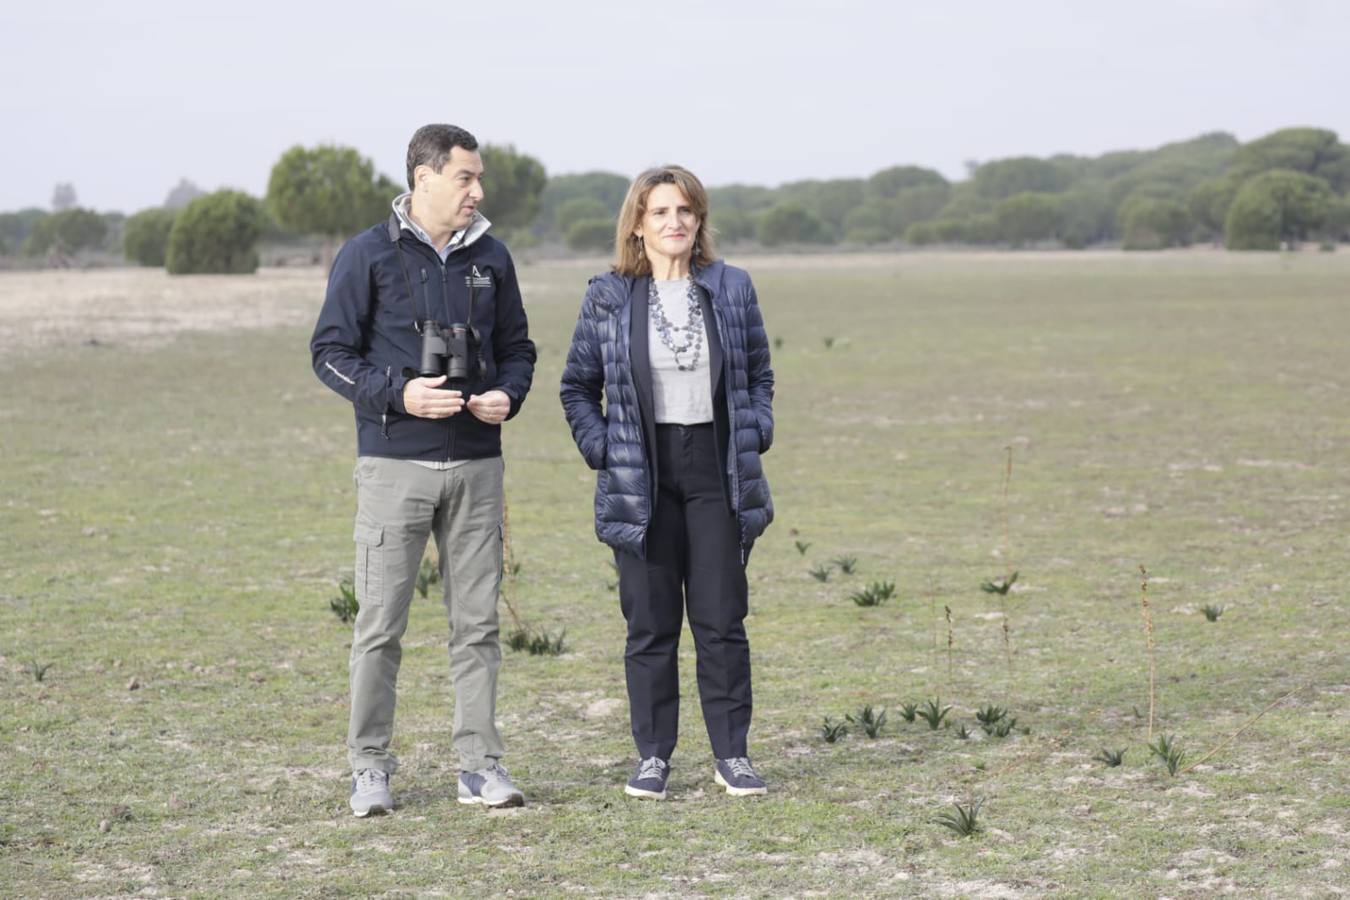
673,340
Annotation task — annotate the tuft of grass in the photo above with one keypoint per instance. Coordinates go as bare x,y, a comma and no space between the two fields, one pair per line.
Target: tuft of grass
778,343
1000,587
875,594
36,669
614,567
536,643
870,721
820,573
964,820
962,733
344,605
802,547
1212,612
909,711
1004,727
828,340
933,712
1167,751
832,731
428,574
990,716
846,564
1111,758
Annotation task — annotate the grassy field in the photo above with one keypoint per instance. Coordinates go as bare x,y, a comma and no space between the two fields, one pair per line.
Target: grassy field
176,511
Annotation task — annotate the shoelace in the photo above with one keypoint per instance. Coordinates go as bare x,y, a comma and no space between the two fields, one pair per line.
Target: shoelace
739,765
500,771
652,767
370,779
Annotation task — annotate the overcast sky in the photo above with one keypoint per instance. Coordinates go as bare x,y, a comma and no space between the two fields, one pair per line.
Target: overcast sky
123,99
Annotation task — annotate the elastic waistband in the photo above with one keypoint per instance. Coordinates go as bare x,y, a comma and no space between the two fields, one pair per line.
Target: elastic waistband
673,426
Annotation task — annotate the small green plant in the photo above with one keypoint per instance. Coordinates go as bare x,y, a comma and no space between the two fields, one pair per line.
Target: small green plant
962,733
778,343
933,712
908,712
802,547
427,575
1111,758
36,669
1003,728
1000,587
876,593
829,341
870,721
613,585
1168,752
990,716
965,820
344,605
833,731
536,643
820,573
1212,612
846,564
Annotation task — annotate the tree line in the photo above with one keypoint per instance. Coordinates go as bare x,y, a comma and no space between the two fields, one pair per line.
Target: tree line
1290,186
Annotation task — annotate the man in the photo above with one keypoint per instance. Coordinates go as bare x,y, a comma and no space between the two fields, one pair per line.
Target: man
428,448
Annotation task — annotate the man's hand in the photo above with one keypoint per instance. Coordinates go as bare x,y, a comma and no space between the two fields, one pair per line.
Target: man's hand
421,398
491,407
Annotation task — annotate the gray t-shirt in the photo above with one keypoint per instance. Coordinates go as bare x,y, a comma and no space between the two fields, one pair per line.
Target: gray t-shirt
680,397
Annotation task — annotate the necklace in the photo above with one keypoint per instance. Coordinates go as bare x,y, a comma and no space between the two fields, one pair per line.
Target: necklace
692,332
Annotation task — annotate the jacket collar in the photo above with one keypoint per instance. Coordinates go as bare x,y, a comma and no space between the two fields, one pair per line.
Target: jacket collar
400,220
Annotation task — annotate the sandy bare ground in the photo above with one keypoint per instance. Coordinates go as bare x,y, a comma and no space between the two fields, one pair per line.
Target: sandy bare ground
118,306
135,305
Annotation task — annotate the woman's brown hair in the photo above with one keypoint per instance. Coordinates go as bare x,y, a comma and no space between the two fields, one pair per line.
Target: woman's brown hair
629,257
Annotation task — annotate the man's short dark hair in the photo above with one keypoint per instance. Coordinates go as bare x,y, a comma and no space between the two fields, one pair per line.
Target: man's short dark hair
431,146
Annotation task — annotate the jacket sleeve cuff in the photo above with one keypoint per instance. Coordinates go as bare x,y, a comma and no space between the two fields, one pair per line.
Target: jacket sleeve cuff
511,395
395,396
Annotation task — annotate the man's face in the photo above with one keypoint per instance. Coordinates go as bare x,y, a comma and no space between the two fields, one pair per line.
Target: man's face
450,196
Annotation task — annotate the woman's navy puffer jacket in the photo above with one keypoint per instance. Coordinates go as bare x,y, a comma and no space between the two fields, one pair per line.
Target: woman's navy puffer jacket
610,438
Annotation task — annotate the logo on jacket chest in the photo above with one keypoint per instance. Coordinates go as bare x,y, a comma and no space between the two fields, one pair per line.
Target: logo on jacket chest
478,279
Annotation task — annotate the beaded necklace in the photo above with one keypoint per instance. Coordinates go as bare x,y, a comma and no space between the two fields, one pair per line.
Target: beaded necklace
668,331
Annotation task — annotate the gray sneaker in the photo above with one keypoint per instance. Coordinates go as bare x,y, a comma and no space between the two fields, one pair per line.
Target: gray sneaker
649,780
491,787
739,777
370,792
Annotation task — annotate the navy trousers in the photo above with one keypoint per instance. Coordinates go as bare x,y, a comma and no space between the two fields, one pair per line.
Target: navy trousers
693,563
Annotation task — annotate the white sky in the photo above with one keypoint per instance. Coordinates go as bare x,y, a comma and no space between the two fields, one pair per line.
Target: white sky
123,99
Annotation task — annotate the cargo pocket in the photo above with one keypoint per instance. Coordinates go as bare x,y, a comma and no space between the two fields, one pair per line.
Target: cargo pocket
369,564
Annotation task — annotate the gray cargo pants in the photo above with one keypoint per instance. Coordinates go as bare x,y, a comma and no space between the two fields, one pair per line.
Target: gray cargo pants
400,503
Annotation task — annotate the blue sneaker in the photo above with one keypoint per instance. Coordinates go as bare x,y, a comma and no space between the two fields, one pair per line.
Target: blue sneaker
739,777
649,780
370,792
491,787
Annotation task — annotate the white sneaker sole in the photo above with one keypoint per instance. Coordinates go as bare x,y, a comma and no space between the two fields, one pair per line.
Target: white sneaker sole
375,809
643,795
735,791
513,800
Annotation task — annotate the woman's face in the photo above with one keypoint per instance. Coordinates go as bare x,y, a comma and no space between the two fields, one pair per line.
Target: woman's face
669,225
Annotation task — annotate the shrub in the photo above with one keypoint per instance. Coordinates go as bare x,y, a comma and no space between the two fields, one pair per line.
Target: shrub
1147,223
792,223
591,234
217,233
1027,217
578,209
68,231
145,237
1276,206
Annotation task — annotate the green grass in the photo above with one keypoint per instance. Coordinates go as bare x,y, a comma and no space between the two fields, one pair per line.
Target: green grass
180,513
